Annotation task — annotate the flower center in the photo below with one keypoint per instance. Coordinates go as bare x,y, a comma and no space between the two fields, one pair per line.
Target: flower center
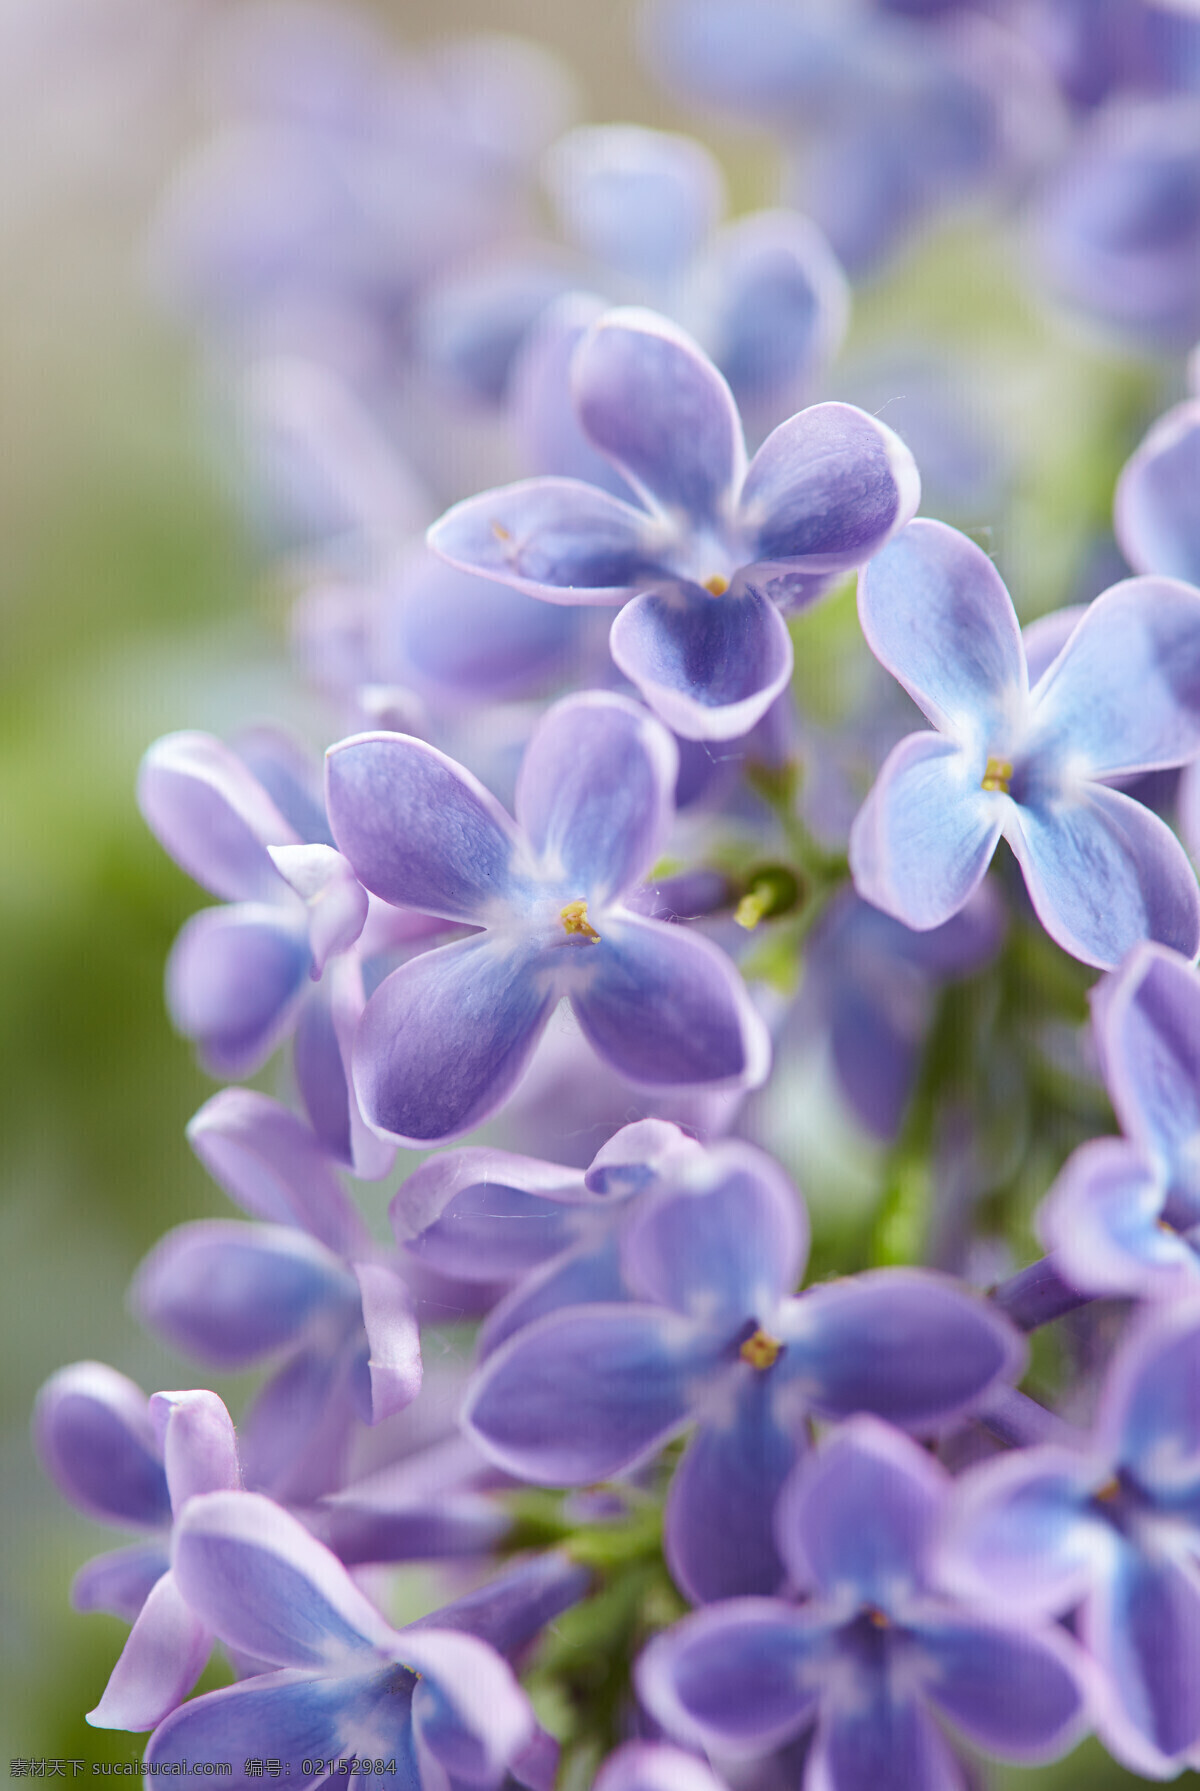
716,586
1108,1491
575,920
997,775
761,1350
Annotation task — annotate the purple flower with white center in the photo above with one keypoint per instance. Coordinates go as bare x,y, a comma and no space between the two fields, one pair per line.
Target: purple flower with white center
704,568
306,1291
1156,517
1031,764
126,1459
446,1037
444,1705
878,1652
713,1337
1112,1527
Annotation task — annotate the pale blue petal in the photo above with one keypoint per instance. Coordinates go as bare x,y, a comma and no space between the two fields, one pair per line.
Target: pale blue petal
555,538
1154,511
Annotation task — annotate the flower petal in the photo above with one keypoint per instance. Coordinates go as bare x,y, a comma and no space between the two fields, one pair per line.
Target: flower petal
1154,509
1151,1043
652,1766
665,1006
447,1037
544,418
1104,873
335,899
92,1431
159,1664
296,1435
1143,1625
922,841
419,830
1148,1415
213,816
286,1716
595,793
638,201
1103,1220
393,1339
586,1276
468,1710
1013,1692
492,1232
651,400
198,1444
872,1736
234,978
709,666
120,1581
555,538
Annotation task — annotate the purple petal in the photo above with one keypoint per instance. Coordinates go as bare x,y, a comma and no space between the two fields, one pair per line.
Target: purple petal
198,1444
285,1716
652,1766
733,1678
719,1539
638,201
1150,1037
1103,1220
724,1245
639,1154
468,1710
1148,1413
1124,694
589,1275
336,900
544,416
119,1582
861,1514
265,1586
935,612
922,841
1009,1691
651,400
905,1344
464,1181
393,1340
555,538
420,831
595,792
234,978
272,1165
321,1055
1143,1625
827,489
1045,638
213,816
296,1436
92,1431
709,666
508,1610
447,1037
1154,510
492,1232
470,327
665,1006
583,1394
230,1293
874,1736
1104,873
159,1664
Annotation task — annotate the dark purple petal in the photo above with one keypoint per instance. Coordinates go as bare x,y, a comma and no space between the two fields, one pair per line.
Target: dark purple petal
393,1340
92,1431
213,816
905,1344
709,666
120,1581
491,1232
508,1610
464,1181
322,1051
827,489
594,793
649,398
420,831
1104,873
874,1736
583,1394
271,1163
296,1435
285,1716
233,980
555,538
665,1006
447,1037
1143,1625
1154,510
1016,1693
159,1664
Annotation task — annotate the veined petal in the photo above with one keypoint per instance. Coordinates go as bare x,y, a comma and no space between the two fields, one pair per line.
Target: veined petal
665,1006
92,1431
120,1581
1143,1625
922,841
1103,1220
555,538
492,1232
288,1715
1151,1044
1148,1416
936,613
335,899
447,1037
198,1443
419,830
256,1576
213,816
1154,509
872,1736
827,489
1018,1693
438,1184
651,400
583,1394
595,793
1124,693
468,1710
709,666
1104,873
234,978
159,1664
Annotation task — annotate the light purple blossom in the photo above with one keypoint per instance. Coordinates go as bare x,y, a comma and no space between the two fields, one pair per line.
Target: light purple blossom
1155,514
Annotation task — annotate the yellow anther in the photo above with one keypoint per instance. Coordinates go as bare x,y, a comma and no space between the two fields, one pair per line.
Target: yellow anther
575,920
878,1618
998,775
716,586
761,1350
500,532
752,907
1108,1491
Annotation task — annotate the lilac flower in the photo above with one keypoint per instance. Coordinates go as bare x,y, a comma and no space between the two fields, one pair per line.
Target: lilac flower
718,546
1112,1527
877,1651
443,1705
713,1337
130,1460
447,1036
1155,514
653,1766
1122,696
306,1291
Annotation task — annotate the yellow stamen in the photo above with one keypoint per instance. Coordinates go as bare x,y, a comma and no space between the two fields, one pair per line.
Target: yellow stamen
998,775
716,586
575,920
752,907
761,1350
1108,1491
878,1618
500,532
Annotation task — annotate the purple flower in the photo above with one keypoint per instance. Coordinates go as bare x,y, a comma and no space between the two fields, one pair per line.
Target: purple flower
125,1459
712,1336
443,1705
446,1037
877,1651
1112,1527
653,1766
1123,695
703,567
1154,512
